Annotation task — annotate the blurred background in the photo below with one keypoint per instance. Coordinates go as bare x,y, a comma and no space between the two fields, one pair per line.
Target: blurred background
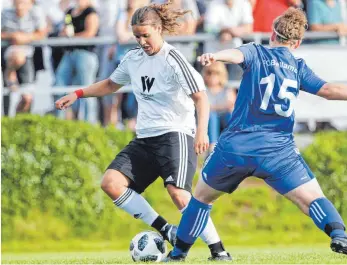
52,161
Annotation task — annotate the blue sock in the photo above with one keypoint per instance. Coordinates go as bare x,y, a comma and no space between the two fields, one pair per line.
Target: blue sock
326,217
192,224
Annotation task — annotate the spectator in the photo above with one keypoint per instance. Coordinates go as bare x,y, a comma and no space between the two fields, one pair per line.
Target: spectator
189,25
108,11
265,11
343,4
221,97
326,15
80,63
125,101
21,25
231,19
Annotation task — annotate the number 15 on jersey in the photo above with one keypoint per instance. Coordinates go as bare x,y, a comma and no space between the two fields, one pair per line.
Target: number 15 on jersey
283,94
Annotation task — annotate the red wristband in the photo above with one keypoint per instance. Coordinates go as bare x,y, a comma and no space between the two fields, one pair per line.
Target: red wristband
79,93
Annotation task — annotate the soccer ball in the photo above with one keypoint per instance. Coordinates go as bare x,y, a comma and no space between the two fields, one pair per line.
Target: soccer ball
148,246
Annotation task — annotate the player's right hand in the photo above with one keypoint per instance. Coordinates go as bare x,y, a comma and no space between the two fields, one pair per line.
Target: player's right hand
65,101
206,59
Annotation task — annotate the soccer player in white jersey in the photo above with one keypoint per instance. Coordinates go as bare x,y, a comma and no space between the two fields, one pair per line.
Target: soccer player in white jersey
167,140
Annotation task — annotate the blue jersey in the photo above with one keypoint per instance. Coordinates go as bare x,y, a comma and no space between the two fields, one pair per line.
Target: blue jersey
263,119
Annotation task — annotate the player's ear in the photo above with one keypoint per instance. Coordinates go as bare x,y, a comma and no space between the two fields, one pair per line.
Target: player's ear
297,44
273,36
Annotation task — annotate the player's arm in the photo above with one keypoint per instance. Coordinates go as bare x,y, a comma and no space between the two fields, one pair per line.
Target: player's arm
333,91
99,89
202,106
311,83
234,56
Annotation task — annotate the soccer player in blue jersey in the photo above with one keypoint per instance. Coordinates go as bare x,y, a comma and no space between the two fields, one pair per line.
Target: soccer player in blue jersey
259,138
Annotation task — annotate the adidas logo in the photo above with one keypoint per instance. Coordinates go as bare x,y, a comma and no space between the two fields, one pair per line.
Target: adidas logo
137,216
170,179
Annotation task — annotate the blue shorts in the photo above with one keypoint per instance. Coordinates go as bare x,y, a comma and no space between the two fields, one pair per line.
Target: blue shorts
283,171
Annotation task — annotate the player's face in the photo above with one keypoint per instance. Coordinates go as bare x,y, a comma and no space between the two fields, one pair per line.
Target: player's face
149,37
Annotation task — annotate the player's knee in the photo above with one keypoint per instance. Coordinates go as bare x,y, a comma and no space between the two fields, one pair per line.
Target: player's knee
179,196
114,182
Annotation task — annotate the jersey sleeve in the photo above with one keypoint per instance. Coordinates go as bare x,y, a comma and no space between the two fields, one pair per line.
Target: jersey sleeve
249,52
121,74
185,75
310,82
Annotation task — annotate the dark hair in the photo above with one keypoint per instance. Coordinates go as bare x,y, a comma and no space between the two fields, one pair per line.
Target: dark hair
290,26
159,14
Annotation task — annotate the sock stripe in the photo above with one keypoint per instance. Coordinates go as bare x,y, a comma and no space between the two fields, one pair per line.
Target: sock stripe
123,197
321,210
195,223
198,232
312,211
317,212
200,223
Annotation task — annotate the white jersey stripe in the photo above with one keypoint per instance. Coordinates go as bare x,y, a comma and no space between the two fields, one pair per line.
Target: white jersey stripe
184,71
195,85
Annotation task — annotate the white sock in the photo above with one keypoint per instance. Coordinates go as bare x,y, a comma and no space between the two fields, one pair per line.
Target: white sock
209,235
134,204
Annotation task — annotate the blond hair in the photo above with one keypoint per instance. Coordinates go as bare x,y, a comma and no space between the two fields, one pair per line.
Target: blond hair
222,72
290,26
159,14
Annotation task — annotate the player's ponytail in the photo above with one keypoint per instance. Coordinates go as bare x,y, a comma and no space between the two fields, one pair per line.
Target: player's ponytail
159,14
290,26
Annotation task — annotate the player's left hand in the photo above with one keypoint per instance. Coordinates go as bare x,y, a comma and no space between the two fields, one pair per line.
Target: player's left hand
201,143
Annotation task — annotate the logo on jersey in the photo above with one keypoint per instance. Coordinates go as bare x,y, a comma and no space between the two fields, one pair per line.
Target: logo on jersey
147,83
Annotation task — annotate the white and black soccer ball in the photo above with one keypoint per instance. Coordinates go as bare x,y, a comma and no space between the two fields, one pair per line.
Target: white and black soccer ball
148,246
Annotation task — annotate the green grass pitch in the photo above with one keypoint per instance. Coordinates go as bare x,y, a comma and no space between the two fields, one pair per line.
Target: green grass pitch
241,255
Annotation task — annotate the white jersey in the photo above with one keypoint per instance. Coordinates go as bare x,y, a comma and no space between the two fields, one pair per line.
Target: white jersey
162,84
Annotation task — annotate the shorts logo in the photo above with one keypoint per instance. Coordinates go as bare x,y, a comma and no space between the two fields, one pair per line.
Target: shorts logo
204,175
170,179
305,177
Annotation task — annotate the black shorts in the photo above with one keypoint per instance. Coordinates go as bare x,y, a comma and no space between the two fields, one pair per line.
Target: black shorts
170,156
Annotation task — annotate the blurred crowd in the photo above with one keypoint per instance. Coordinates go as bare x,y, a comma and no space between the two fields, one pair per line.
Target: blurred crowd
24,21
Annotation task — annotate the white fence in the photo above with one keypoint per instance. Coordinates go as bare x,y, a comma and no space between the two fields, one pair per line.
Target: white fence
329,62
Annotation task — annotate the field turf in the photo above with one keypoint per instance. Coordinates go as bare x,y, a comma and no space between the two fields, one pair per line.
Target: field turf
244,255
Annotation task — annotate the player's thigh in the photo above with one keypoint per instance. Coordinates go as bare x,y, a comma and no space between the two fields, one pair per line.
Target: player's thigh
176,159
136,163
284,171
224,171
205,193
